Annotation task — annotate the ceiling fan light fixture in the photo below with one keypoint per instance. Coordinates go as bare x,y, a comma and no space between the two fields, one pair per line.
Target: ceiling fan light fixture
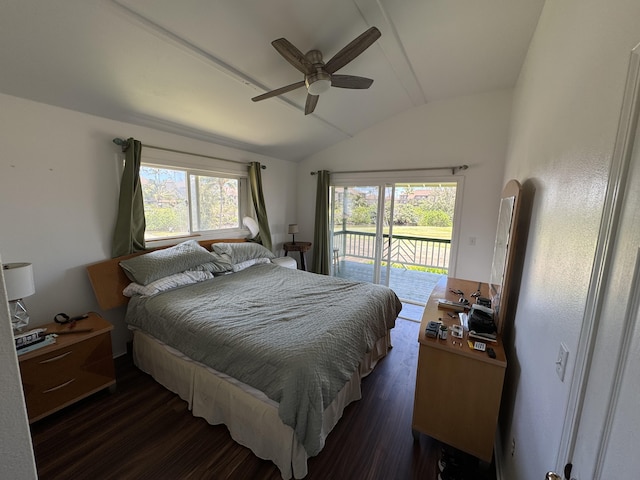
319,76
318,83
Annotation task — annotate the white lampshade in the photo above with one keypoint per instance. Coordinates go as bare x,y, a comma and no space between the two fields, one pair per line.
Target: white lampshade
293,228
18,279
251,224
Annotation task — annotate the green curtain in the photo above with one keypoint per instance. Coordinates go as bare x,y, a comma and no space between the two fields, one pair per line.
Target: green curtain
255,180
130,224
321,260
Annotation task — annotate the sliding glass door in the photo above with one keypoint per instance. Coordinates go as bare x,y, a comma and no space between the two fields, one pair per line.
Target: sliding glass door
358,231
392,233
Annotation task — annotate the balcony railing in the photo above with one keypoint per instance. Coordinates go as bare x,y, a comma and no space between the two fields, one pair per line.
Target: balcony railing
404,250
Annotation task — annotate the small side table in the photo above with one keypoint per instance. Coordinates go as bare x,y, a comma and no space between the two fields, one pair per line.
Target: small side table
301,247
76,366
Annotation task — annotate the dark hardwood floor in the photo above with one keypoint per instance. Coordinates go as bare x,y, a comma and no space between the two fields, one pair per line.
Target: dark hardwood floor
143,431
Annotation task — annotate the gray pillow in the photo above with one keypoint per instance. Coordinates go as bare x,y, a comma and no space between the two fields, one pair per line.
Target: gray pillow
149,267
216,264
241,252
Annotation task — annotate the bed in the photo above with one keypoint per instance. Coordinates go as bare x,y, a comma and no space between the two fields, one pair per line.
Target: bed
273,353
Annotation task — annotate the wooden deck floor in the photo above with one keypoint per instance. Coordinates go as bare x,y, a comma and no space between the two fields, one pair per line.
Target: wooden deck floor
411,286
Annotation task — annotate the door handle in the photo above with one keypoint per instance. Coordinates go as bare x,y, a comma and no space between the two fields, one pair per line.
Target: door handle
567,473
49,360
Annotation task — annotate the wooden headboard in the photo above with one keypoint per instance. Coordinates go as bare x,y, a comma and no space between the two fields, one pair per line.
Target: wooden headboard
108,280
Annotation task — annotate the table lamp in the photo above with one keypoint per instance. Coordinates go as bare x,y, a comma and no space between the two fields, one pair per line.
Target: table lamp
253,227
18,280
293,229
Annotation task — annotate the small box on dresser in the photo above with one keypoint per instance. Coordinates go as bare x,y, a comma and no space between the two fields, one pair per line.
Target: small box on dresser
76,366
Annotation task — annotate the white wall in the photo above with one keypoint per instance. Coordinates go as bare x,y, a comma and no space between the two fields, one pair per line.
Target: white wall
566,109
469,130
59,186
16,450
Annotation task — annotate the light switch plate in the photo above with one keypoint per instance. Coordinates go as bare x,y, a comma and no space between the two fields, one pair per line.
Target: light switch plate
561,362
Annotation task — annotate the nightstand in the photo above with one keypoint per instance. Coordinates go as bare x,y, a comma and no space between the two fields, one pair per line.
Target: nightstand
76,366
301,247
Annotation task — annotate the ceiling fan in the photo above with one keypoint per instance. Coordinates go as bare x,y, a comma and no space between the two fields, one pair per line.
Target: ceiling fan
319,76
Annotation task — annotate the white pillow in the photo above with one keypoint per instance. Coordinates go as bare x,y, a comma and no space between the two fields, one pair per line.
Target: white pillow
246,264
239,252
167,283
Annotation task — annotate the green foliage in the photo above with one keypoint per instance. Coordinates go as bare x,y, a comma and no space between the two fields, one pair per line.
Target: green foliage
357,199
424,205
363,215
406,214
217,203
443,198
165,219
435,218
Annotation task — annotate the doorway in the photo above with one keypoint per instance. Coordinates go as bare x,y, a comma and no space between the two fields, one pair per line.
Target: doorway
601,424
397,234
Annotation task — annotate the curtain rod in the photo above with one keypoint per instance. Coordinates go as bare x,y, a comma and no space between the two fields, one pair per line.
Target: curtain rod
123,143
454,170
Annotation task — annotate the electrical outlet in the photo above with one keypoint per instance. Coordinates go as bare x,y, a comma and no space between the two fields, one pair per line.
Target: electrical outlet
561,361
513,446
472,241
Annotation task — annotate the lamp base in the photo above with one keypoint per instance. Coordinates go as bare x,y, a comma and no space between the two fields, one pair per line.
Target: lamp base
19,315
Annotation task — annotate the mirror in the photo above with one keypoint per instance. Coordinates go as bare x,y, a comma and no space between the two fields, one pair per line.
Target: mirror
501,271
502,242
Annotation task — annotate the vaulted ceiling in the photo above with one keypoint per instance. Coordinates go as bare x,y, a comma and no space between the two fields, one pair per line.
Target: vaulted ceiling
192,66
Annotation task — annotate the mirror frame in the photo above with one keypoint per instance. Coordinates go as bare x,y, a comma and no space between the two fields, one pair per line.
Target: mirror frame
502,295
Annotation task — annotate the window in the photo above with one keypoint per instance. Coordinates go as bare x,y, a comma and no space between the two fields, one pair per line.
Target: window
182,202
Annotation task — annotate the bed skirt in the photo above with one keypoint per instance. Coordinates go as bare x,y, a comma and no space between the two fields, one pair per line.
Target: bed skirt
251,417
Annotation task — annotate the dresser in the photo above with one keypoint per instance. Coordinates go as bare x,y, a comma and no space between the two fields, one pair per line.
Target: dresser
77,365
458,389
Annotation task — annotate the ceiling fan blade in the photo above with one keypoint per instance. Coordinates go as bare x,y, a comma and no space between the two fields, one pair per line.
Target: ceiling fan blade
310,106
292,55
351,51
279,91
350,81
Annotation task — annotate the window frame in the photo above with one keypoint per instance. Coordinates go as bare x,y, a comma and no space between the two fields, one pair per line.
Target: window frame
196,165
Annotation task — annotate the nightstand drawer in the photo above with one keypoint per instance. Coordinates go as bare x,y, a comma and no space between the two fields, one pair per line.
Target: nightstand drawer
45,397
48,370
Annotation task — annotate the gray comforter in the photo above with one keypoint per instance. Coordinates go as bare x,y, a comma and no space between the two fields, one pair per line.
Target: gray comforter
297,337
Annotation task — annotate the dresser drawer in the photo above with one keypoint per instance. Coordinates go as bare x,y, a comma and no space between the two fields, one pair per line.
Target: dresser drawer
58,378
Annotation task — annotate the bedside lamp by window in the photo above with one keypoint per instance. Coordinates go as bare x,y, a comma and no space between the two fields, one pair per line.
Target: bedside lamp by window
18,279
253,227
293,229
